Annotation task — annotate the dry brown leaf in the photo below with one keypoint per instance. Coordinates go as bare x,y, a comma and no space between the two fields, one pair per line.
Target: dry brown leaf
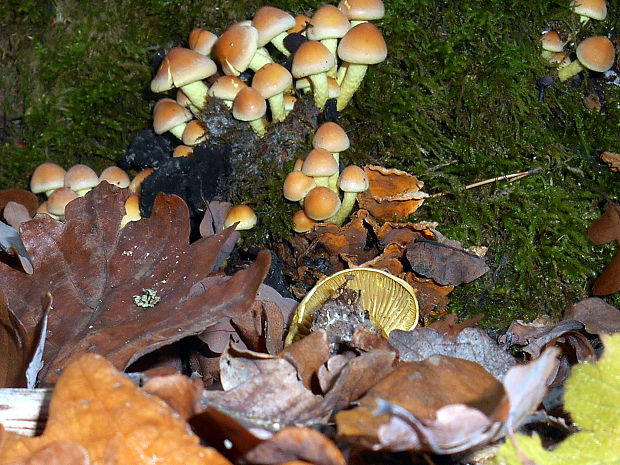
15,214
450,327
432,297
95,406
392,194
609,280
21,196
106,282
604,230
612,159
597,316
177,390
308,355
58,453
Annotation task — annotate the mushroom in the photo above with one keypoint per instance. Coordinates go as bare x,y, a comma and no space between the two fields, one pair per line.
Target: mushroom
58,201
363,45
181,151
115,176
43,209
551,42
312,59
47,177
586,9
194,133
250,106
331,137
243,215
226,88
320,164
301,25
289,103
595,53
136,182
328,24
80,179
202,41
321,203
272,25
271,81
132,210
359,11
168,115
185,102
353,180
297,185
237,50
302,223
185,68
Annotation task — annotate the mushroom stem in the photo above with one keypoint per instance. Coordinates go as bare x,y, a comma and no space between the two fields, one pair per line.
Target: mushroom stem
278,43
332,46
332,181
196,93
348,202
342,71
570,70
320,89
259,127
350,83
276,103
178,130
260,59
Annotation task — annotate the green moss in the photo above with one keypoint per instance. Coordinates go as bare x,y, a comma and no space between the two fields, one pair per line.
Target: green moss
455,102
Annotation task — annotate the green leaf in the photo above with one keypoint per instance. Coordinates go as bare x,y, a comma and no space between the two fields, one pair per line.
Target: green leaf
593,399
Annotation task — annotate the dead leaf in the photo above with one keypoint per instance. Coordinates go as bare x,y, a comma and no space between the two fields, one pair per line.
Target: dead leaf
122,293
609,280
15,214
607,228
308,355
95,406
177,390
612,159
445,264
392,194
21,196
597,316
58,453
213,219
11,243
450,327
432,297
471,344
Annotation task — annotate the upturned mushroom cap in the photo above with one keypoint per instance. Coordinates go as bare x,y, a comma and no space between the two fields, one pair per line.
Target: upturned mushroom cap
270,22
302,223
312,57
328,22
249,105
272,79
319,163
297,185
80,178
331,137
168,114
321,203
236,47
353,179
47,177
552,41
202,41
59,199
596,53
595,9
363,45
242,214
226,87
182,66
115,176
362,10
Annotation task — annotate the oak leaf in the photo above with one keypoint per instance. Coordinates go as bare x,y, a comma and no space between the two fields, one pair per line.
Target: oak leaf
122,293
98,408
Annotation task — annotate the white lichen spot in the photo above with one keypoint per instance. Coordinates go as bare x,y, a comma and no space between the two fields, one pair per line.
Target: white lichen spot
146,300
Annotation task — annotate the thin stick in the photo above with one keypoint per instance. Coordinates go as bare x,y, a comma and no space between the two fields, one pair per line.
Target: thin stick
507,177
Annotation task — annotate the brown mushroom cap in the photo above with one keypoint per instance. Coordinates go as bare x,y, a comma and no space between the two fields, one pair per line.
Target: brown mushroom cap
272,79
182,151
552,41
363,44
312,57
80,178
328,22
236,47
331,137
226,87
353,179
297,185
301,23
182,66
168,114
362,10
321,203
270,22
334,87
595,9
319,163
116,176
201,41
249,105
136,182
302,223
59,199
194,133
242,214
596,53
47,177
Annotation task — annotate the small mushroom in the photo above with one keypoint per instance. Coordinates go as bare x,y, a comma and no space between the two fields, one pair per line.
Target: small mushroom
243,215
312,60
353,180
80,179
47,177
595,53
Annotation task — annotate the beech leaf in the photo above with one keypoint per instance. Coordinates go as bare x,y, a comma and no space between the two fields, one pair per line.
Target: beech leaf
123,292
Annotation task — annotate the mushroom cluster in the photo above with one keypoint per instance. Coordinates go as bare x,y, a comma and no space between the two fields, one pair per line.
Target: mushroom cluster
595,53
316,181
256,66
